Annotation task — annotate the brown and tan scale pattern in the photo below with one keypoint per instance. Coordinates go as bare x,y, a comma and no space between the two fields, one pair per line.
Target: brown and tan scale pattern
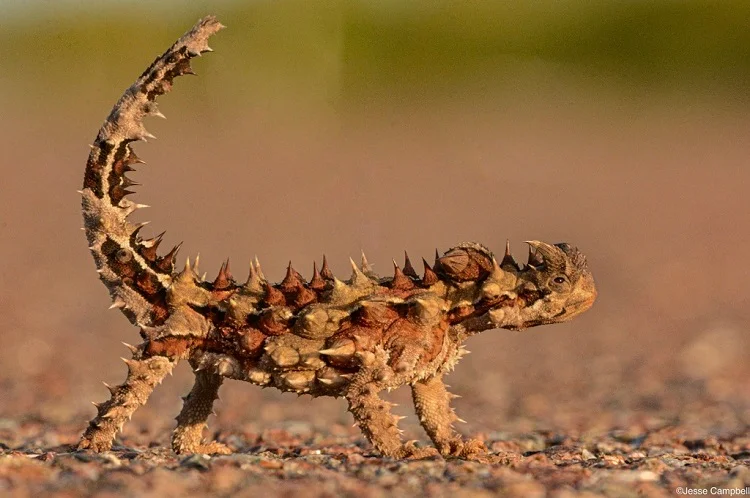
324,337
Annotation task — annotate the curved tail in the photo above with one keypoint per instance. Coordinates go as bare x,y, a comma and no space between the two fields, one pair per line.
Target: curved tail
136,276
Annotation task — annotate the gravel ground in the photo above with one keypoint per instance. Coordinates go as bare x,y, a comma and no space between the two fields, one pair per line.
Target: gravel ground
298,460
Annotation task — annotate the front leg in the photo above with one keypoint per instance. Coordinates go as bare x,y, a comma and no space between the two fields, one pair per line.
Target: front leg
188,435
432,404
373,414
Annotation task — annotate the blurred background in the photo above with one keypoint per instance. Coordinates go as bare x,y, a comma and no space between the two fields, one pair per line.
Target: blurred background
323,126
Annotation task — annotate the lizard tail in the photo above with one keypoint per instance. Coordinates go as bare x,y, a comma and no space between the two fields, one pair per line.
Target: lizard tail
136,276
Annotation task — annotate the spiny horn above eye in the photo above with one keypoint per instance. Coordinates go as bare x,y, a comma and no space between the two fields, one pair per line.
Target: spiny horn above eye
534,259
547,254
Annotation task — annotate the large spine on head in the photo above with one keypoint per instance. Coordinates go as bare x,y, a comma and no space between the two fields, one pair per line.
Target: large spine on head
136,276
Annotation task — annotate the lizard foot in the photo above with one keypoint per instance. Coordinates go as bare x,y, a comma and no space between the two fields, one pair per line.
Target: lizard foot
212,448
471,449
410,451
91,443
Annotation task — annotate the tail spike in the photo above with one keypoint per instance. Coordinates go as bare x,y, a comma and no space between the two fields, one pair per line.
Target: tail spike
408,268
325,271
127,182
166,262
133,157
150,246
430,277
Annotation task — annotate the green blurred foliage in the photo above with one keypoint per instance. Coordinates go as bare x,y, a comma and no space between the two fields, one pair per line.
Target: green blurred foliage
336,51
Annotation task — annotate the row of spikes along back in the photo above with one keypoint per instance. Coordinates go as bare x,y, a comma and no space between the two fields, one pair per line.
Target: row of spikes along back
294,291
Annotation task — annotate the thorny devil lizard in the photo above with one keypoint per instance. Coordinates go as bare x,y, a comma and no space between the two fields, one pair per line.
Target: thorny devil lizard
323,337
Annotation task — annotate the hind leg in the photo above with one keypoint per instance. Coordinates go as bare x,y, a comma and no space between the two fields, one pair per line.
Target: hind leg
188,435
144,374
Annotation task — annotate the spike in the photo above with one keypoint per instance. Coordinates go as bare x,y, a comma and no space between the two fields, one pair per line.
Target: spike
316,282
166,262
548,255
325,271
341,347
508,261
408,268
400,281
304,296
253,280
198,262
150,246
117,303
127,182
97,405
430,277
130,363
273,295
224,278
437,256
535,258
251,275
186,275
291,280
258,269
146,136
358,277
133,349
366,268
112,390
133,158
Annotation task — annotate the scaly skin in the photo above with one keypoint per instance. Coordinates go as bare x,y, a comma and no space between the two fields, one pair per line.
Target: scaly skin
323,337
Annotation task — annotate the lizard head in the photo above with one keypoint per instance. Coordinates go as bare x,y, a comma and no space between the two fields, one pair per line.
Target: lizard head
555,285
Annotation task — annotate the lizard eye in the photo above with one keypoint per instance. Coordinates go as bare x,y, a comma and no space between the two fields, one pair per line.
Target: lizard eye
559,280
